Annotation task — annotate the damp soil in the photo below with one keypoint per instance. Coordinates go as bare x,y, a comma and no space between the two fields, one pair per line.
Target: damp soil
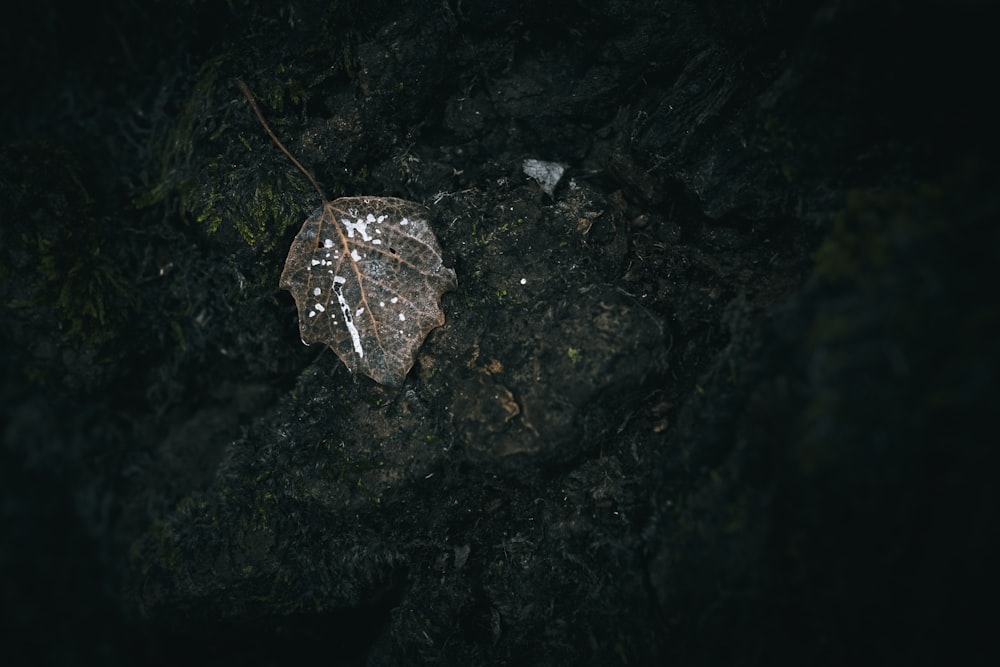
711,392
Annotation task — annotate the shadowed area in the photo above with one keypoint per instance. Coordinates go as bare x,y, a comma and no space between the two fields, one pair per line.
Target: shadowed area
699,355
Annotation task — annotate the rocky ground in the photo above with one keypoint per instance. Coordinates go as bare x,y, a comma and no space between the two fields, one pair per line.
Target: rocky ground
719,394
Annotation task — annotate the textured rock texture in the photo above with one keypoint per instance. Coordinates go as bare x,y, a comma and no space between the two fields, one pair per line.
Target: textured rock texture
715,397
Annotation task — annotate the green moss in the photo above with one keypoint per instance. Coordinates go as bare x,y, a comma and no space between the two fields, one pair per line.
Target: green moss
59,253
350,470
218,166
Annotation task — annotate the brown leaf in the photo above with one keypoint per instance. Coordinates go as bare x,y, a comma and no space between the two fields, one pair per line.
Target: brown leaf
367,276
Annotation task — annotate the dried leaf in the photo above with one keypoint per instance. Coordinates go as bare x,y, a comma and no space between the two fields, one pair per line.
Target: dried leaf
367,277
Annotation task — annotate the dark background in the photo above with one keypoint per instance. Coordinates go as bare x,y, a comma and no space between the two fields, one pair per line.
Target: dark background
773,262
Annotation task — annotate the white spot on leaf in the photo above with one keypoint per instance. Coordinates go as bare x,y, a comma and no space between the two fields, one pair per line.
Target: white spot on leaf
351,329
360,226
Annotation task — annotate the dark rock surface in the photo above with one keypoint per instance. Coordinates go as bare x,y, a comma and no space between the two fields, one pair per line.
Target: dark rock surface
722,397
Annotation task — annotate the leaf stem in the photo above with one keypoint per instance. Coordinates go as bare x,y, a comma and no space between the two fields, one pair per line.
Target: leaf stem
260,117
